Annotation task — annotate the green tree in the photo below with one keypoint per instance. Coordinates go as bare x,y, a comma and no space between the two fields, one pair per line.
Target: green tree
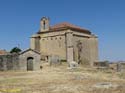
15,50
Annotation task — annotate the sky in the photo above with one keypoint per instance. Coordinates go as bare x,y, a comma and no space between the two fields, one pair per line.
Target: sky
19,19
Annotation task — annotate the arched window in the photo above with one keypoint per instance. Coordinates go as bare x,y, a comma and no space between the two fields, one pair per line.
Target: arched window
44,25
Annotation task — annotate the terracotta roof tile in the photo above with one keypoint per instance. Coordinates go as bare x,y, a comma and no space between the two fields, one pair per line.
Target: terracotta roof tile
3,52
64,24
68,25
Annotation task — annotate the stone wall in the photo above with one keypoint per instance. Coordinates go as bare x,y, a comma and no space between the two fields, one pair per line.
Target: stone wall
20,61
93,47
89,49
120,66
23,60
64,43
82,54
9,62
53,45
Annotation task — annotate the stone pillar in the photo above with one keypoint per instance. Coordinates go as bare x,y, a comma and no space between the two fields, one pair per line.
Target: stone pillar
69,47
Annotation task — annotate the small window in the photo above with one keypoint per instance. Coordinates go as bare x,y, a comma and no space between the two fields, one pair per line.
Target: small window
55,38
60,38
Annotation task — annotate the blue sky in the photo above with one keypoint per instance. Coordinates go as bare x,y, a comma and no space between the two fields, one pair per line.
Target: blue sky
19,19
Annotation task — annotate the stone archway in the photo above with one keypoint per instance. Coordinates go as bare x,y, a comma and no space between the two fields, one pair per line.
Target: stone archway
30,63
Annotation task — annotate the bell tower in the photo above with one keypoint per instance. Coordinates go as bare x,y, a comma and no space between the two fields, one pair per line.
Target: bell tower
44,24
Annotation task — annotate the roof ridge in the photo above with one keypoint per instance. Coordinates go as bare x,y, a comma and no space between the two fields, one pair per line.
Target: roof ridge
62,24
66,24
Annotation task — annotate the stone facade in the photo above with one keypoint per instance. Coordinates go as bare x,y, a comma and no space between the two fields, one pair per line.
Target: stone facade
9,62
27,60
68,41
63,41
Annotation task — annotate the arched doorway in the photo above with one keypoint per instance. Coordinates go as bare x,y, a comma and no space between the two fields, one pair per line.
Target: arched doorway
30,63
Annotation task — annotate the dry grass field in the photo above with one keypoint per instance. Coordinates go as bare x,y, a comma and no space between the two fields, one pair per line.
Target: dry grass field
62,80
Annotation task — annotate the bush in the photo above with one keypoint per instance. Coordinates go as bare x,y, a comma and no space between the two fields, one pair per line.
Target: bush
15,50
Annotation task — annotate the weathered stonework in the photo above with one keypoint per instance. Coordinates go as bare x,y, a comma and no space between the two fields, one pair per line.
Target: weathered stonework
52,44
9,62
69,42
27,60
31,56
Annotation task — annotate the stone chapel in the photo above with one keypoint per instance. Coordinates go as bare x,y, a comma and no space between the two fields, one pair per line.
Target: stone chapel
68,41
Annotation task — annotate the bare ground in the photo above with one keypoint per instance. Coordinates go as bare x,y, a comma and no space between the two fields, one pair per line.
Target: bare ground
62,80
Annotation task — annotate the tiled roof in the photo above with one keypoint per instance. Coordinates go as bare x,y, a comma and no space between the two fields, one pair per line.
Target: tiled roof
30,50
70,26
64,26
3,52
